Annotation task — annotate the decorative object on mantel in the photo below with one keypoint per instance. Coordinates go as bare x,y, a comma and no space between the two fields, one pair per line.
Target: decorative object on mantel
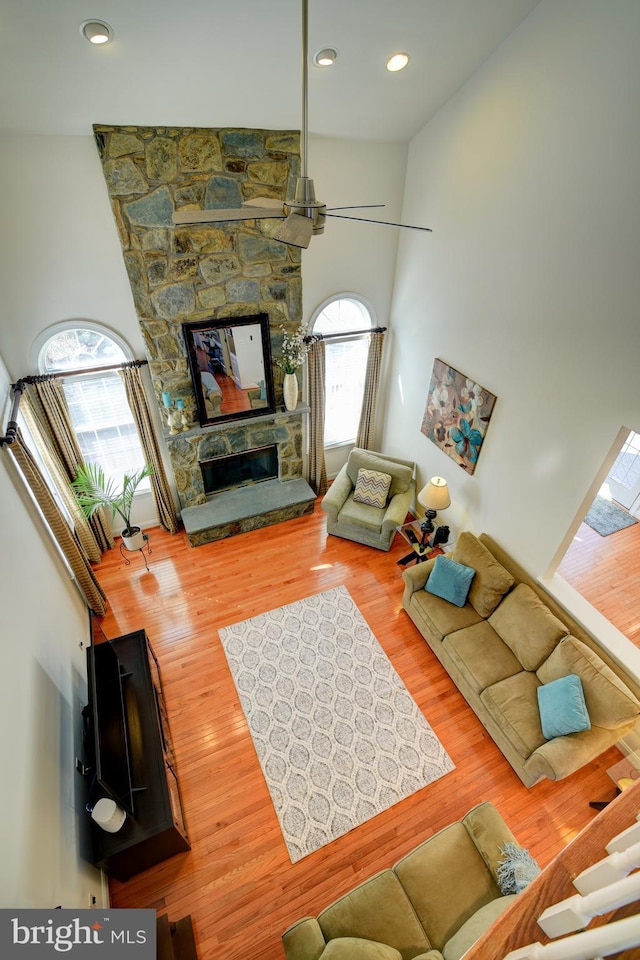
95,490
177,416
295,347
457,414
340,742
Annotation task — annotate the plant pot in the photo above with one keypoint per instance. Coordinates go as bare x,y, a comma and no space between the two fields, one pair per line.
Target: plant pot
133,539
290,391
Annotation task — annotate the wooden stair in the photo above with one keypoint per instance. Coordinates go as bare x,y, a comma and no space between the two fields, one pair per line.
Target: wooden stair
175,940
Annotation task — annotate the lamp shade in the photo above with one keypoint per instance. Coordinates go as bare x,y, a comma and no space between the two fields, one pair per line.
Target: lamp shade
435,494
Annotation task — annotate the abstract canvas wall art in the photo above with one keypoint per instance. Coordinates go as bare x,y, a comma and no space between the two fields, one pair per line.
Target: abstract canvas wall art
457,414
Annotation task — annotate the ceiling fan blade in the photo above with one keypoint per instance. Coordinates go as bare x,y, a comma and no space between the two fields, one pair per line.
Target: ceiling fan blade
269,202
222,216
359,206
295,230
384,223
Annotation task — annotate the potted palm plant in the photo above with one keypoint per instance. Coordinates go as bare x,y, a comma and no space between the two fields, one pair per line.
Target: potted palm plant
94,490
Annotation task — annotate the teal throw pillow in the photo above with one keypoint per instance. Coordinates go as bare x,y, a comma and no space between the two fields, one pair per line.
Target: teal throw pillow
450,580
562,707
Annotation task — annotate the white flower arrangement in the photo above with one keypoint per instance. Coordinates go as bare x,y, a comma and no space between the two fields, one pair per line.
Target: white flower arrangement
294,349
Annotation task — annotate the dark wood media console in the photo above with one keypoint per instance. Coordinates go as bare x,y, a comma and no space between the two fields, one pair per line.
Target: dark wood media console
157,829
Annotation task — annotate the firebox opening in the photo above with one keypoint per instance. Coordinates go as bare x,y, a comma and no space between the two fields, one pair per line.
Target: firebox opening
239,469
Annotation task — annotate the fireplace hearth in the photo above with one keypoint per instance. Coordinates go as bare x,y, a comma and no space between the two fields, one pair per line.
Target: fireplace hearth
239,469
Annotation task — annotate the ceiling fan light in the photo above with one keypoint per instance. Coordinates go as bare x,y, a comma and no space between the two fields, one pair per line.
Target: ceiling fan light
397,62
325,57
96,31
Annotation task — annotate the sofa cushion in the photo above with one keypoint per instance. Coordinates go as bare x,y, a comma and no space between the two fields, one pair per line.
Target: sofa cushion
513,705
610,703
472,930
379,910
491,581
450,580
440,617
562,707
362,514
400,474
353,948
447,881
372,487
481,656
527,626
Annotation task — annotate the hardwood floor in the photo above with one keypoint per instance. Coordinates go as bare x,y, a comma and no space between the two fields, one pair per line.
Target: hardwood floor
237,881
606,571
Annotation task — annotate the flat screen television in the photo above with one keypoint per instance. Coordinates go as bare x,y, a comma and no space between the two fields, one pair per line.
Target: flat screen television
108,711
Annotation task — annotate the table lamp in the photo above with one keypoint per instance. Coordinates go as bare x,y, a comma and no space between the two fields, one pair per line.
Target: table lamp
434,496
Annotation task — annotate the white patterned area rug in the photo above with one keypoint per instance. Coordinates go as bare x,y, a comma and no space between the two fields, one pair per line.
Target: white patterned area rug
338,736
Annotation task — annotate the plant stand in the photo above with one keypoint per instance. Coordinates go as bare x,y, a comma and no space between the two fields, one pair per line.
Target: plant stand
147,544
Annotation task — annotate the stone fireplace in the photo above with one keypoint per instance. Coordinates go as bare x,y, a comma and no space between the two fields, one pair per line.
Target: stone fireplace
209,271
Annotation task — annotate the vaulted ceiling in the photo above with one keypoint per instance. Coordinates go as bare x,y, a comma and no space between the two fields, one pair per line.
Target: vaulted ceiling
237,63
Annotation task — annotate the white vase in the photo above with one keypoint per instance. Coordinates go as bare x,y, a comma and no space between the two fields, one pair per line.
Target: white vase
290,391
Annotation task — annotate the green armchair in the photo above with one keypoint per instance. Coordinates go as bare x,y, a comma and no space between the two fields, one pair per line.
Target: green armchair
373,526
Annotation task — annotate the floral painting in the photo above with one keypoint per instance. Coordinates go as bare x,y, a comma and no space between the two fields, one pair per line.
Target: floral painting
457,414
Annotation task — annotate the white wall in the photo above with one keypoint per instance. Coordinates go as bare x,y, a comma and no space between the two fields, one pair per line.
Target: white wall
354,257
42,691
529,283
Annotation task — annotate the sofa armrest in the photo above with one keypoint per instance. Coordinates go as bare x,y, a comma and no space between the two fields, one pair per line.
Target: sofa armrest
562,756
415,577
489,833
337,493
398,507
303,940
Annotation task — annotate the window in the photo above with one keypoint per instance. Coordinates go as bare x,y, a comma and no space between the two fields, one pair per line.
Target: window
345,364
97,399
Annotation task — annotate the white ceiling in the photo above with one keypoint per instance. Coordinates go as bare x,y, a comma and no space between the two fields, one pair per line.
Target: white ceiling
211,63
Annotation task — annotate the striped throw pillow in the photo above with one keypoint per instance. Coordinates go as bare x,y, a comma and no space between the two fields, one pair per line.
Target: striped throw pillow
372,488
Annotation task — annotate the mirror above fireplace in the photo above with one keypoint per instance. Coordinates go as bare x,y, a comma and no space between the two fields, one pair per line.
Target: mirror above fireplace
230,365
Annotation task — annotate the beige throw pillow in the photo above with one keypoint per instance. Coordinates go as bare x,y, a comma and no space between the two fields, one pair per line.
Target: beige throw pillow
491,581
372,488
609,701
527,626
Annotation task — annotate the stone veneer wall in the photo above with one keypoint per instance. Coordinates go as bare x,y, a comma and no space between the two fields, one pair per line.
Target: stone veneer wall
205,271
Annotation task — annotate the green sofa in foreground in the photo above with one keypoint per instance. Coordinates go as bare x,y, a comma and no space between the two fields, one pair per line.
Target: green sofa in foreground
433,904
508,640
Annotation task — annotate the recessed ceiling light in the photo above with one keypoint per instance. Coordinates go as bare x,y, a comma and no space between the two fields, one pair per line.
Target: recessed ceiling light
96,31
326,57
397,62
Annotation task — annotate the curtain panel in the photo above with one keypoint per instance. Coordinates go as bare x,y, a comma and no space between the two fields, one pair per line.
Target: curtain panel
366,427
70,546
137,397
316,370
49,405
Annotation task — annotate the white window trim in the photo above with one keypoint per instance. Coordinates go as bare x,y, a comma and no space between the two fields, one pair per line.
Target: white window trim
348,336
343,296
43,338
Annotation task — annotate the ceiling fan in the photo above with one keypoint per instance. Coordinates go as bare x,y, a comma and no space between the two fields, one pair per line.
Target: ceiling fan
303,216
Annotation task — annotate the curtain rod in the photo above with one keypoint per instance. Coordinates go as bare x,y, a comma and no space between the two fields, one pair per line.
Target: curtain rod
345,333
19,385
43,377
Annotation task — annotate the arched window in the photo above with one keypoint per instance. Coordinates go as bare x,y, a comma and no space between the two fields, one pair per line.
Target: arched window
96,397
347,319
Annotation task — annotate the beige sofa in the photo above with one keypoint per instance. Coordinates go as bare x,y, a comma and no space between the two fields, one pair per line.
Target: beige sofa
509,638
373,526
433,904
